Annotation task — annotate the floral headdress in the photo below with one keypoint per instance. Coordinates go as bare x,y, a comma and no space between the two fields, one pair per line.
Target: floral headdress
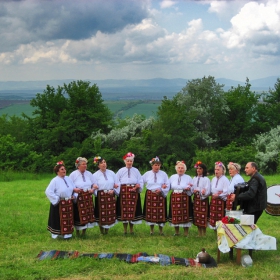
235,165
220,164
197,164
154,160
59,163
97,159
77,161
180,161
129,155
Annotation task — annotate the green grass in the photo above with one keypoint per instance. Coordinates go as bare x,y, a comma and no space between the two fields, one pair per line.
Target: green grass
23,234
147,108
17,110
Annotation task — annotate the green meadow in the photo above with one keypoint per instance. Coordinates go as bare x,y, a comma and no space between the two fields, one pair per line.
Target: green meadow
121,109
23,235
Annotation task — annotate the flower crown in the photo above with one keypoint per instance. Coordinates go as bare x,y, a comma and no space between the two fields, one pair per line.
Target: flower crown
180,161
219,163
129,154
59,163
96,159
154,160
197,164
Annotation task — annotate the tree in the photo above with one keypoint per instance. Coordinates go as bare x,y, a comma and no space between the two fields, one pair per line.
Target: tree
14,126
173,134
204,101
67,115
268,115
238,124
268,150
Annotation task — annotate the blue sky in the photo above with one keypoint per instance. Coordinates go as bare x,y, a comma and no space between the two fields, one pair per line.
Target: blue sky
133,39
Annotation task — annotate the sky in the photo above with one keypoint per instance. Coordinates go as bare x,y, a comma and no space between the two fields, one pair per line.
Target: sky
138,39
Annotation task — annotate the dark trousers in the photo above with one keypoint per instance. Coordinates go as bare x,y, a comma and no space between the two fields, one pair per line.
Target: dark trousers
256,214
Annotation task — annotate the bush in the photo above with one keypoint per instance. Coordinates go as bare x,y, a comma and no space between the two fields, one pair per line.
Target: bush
231,152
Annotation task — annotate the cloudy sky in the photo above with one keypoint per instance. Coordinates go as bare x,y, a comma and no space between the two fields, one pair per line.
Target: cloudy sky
138,39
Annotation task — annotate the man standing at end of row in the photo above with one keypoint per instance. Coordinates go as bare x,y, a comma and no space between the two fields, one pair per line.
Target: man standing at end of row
255,199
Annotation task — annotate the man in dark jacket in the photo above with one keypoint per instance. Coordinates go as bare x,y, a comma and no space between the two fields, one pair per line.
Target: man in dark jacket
255,198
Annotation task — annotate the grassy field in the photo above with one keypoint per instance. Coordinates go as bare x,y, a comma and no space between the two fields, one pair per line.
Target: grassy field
17,110
121,109
23,235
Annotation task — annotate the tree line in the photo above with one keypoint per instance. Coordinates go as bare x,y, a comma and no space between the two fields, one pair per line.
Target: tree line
201,122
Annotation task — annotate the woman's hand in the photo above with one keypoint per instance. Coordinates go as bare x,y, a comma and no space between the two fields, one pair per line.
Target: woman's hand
158,191
76,190
164,186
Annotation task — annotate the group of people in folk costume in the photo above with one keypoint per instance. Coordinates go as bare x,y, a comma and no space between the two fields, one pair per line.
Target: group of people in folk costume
117,197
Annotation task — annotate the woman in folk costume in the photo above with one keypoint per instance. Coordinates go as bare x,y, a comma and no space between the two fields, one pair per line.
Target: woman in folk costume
105,192
219,191
233,170
201,189
155,206
59,192
129,179
180,207
84,186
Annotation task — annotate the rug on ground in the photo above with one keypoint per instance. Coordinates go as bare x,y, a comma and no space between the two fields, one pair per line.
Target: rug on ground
161,259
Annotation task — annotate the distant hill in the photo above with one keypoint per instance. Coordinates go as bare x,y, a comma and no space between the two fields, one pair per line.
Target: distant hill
124,89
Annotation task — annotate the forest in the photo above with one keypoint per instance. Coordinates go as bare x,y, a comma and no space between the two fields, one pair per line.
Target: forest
201,122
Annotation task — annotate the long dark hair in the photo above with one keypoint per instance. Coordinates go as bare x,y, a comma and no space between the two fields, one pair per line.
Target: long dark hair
203,166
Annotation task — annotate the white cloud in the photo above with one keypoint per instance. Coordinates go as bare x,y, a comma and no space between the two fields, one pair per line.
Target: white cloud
257,24
167,4
144,49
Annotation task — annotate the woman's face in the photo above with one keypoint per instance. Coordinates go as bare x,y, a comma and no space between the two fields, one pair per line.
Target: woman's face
102,165
156,167
219,171
199,171
128,163
61,171
232,171
180,169
82,166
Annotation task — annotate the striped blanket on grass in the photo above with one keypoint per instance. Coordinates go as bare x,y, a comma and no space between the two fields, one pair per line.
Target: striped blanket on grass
161,259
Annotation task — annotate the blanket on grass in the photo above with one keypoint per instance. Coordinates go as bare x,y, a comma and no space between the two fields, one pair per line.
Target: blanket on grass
161,259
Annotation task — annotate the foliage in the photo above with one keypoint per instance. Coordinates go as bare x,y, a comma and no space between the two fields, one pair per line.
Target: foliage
203,100
173,134
67,115
238,124
129,134
268,150
232,152
268,116
201,122
11,151
14,126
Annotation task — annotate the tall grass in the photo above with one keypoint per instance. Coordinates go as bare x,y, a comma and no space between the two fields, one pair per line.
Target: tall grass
23,234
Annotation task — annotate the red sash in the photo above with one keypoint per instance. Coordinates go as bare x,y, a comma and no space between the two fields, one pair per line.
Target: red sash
180,208
107,208
217,211
200,211
85,207
128,202
155,207
66,216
